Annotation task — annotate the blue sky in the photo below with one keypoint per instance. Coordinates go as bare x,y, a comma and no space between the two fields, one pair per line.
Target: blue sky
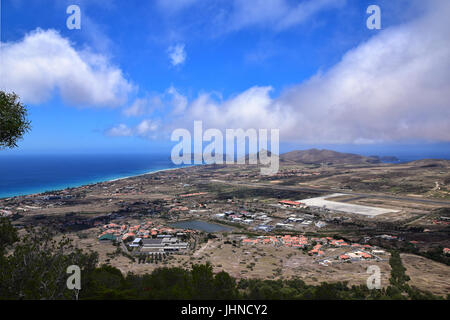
138,69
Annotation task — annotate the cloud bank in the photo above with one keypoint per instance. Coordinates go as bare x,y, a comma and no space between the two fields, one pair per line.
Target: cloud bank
44,62
394,87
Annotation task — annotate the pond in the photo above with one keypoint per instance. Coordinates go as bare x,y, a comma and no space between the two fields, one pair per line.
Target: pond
200,225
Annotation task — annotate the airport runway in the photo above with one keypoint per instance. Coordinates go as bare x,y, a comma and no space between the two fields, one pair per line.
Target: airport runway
323,190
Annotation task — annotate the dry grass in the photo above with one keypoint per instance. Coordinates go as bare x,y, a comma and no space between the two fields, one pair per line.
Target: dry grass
426,274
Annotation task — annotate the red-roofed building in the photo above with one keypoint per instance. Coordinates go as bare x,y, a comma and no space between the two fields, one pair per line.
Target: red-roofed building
128,235
290,203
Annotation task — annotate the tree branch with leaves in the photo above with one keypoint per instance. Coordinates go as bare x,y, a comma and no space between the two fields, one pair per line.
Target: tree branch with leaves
13,120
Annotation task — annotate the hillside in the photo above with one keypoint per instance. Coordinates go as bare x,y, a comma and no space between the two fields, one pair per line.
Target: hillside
316,156
430,163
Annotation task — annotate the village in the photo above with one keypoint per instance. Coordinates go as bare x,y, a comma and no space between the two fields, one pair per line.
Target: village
149,238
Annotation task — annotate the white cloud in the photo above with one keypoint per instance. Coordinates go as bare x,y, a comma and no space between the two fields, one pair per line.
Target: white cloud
179,102
252,108
394,87
138,108
234,15
171,100
146,129
44,62
143,106
305,10
276,14
177,54
122,130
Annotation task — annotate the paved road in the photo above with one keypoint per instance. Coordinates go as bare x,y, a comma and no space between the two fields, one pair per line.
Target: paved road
323,190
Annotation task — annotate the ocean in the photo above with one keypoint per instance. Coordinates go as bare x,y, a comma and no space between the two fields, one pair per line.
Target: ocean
22,174
28,174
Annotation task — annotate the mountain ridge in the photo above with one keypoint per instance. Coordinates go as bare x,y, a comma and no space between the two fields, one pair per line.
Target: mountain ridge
317,156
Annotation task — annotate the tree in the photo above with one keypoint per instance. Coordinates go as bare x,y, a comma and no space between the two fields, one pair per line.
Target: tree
8,235
36,266
225,286
13,120
202,281
105,282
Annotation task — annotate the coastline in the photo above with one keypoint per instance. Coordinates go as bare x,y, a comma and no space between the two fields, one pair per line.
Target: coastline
79,185
144,174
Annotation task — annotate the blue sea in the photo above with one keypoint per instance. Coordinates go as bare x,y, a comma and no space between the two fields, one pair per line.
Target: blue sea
22,174
28,174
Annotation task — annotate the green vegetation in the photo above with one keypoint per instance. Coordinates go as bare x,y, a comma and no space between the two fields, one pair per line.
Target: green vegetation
398,272
13,120
400,289
435,254
34,267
